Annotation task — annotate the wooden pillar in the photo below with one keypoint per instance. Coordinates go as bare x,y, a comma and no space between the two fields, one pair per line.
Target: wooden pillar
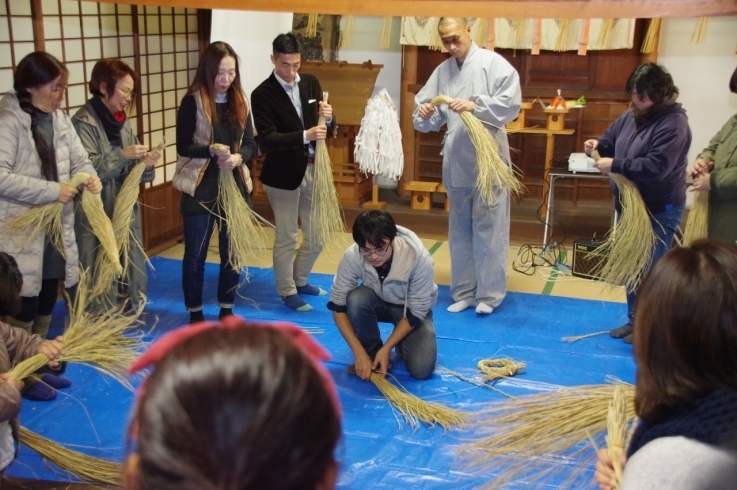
407,106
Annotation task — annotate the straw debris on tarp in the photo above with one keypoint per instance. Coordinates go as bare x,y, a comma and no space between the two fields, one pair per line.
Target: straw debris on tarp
491,169
106,341
326,217
83,466
697,224
415,410
628,249
42,218
533,437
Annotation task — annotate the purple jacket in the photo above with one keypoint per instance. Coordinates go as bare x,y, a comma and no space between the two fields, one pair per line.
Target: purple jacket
653,155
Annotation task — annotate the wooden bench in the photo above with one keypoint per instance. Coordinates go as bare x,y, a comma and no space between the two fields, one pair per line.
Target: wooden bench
421,198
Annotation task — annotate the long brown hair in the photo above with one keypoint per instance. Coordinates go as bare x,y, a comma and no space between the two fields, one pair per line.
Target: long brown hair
204,82
685,339
33,71
235,408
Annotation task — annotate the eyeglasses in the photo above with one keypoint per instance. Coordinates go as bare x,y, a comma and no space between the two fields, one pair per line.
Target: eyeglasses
367,252
128,94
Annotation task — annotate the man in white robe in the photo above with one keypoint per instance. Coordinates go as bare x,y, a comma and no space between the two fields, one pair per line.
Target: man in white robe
485,84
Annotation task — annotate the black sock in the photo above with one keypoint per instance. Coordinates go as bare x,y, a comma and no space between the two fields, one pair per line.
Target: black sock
196,316
225,312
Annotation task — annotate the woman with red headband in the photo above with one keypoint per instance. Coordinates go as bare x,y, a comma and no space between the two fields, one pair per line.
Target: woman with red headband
235,405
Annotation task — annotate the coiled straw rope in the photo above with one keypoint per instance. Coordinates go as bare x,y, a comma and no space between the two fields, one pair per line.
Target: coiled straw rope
326,216
491,170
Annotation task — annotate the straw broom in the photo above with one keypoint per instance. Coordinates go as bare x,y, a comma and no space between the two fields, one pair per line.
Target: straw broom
617,430
697,225
325,216
491,170
83,466
415,410
512,435
98,340
43,218
628,249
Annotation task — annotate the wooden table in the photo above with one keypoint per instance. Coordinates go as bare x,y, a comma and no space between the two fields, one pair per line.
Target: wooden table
549,147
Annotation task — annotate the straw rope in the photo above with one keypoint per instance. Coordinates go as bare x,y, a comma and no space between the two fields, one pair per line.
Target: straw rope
346,35
311,30
325,215
564,29
697,225
519,437
83,466
494,369
652,37
43,218
699,33
617,422
491,169
576,338
606,32
415,410
103,341
386,32
482,31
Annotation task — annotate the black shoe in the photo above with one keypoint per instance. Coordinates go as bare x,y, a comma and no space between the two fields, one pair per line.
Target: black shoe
225,312
628,339
196,316
621,332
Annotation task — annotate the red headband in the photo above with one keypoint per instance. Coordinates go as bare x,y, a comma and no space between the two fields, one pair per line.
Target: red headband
304,342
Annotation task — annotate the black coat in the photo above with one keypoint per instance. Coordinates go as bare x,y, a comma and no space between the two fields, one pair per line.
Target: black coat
280,131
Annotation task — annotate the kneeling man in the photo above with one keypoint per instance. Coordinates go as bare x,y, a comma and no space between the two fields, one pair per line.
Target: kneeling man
386,276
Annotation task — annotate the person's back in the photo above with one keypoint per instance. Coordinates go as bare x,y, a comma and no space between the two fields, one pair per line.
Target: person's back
235,406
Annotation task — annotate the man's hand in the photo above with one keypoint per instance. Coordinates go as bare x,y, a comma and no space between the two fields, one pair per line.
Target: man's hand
590,145
317,133
426,110
93,184
8,378
135,152
381,361
325,110
604,165
461,105
53,349
700,166
702,182
66,192
363,366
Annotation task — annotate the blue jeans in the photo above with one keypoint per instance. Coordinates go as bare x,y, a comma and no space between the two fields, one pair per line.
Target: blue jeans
418,349
665,226
197,232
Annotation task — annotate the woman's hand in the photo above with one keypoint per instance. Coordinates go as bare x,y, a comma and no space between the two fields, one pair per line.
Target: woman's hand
151,158
9,378
702,182
93,184
700,166
66,192
604,165
134,152
53,349
604,474
590,145
230,161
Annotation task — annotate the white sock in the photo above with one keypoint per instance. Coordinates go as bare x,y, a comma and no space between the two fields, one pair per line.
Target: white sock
461,305
483,309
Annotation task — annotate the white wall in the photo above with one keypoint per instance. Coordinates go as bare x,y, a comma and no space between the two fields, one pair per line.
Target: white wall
701,72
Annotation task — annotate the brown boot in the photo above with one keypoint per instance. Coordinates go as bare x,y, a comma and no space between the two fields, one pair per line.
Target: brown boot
14,322
41,325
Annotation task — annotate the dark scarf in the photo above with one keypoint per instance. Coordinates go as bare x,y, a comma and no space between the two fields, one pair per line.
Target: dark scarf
112,123
641,117
711,420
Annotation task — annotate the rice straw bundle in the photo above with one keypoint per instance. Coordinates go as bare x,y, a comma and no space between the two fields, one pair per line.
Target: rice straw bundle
534,436
494,369
697,225
435,42
415,410
246,238
83,466
378,145
325,215
482,31
617,430
311,30
650,44
386,32
519,30
46,218
606,32
346,35
491,170
98,340
564,29
699,33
